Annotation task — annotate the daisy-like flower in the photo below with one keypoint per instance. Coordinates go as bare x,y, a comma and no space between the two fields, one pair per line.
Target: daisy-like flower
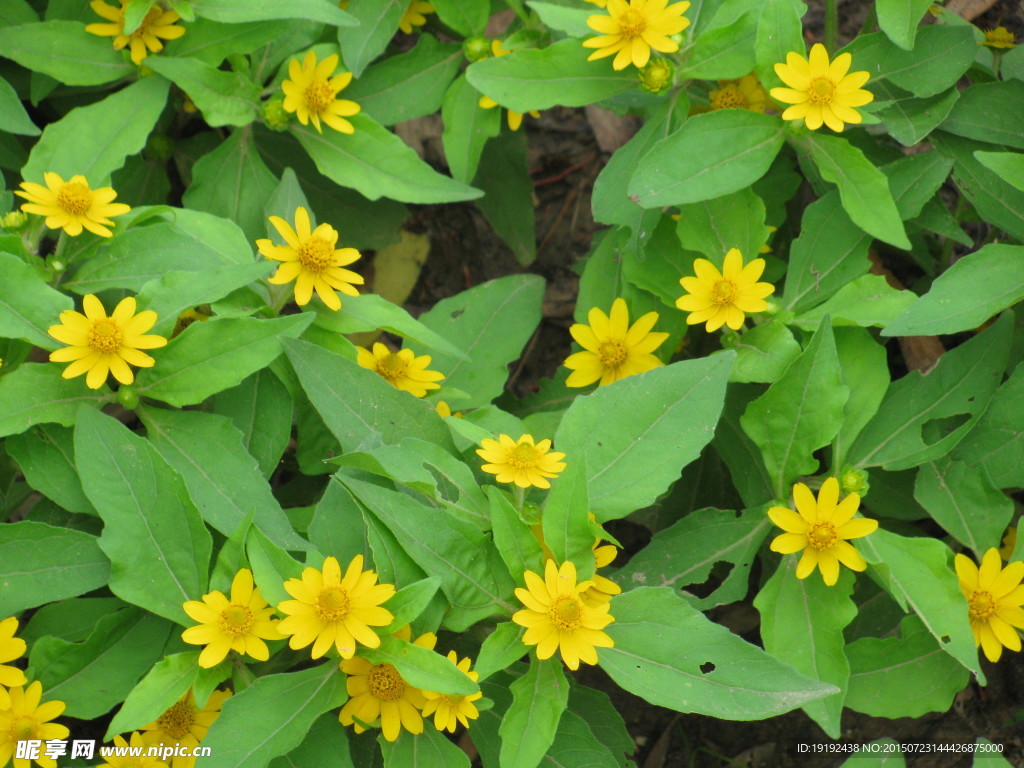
240,624
402,369
521,461
631,28
1000,37
820,92
184,724
1009,544
557,617
994,599
745,93
331,610
822,530
722,298
515,119
311,92
310,259
612,349
26,719
100,345
72,205
450,709
414,15
140,760
11,648
603,589
156,24
379,691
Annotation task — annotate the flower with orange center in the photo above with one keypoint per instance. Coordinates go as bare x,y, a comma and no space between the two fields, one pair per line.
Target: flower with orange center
631,28
515,119
449,709
602,589
72,205
402,369
184,724
994,599
128,760
11,648
26,719
156,24
745,93
1000,37
521,461
721,298
820,92
311,92
612,348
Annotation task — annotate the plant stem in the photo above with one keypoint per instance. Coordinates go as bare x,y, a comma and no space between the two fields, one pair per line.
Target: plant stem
831,26
519,496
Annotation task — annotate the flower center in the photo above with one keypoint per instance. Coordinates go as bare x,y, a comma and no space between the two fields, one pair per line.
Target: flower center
333,604
982,605
723,292
385,683
236,620
566,613
319,95
523,456
612,354
177,721
75,198
392,367
151,16
106,336
316,254
821,536
24,727
729,97
632,23
821,90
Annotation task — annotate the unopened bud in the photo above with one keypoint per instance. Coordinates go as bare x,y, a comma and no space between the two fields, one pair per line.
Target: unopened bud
275,117
128,397
476,48
854,480
656,75
14,220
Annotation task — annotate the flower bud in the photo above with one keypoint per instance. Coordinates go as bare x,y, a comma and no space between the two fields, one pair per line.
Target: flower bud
854,480
274,115
476,48
656,76
128,397
14,220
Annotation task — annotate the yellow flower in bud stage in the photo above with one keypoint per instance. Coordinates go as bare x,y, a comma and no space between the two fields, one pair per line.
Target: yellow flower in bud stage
329,610
631,28
994,599
745,93
184,724
26,719
141,760
402,369
449,709
722,298
311,92
13,220
100,345
1005,551
656,75
311,260
557,617
414,15
156,24
820,92
1000,37
821,529
612,349
72,205
515,119
520,461
11,648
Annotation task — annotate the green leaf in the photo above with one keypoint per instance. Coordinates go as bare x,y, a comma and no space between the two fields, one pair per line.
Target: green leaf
467,128
325,743
28,305
724,52
261,408
378,22
995,447
66,52
153,535
93,676
909,121
420,666
991,112
1009,166
507,203
377,163
35,393
212,42
13,117
603,720
865,370
42,563
673,656
271,566
714,226
779,31
736,149
799,413
539,78
163,685
276,711
915,180
572,21
539,699
923,417
467,17
764,352
899,20
500,649
880,753
408,85
513,538
238,11
46,456
976,287
409,602
17,12
210,357
867,301
863,189
577,744
429,749
94,141
224,98
566,520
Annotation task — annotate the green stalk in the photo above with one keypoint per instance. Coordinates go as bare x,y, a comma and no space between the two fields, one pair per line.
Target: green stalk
831,26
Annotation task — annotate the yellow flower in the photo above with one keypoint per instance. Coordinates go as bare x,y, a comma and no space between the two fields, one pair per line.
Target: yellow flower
994,598
241,624
603,589
745,93
413,16
821,92
520,461
331,610
444,410
631,29
515,119
11,648
612,349
1005,551
821,530
721,298
156,24
449,709
27,720
402,369
72,205
189,316
132,761
311,93
557,617
183,723
311,260
378,691
1000,37
101,344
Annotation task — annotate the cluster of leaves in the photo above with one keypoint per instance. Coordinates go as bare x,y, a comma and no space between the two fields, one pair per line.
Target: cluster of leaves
257,440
